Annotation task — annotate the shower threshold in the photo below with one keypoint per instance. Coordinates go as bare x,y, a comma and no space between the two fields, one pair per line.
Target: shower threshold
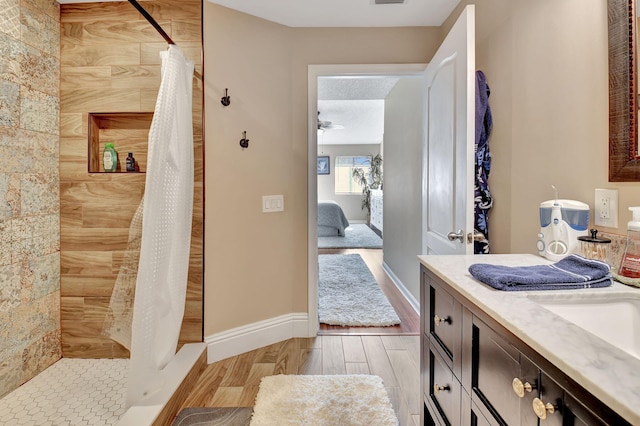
76,391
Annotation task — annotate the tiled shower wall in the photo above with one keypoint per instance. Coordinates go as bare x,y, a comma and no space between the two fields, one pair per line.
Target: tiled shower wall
29,194
110,62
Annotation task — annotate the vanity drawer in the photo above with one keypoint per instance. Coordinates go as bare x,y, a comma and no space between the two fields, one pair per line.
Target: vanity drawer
496,365
551,393
479,417
567,410
442,390
444,322
576,414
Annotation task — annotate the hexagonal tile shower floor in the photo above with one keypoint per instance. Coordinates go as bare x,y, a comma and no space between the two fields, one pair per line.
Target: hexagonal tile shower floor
70,392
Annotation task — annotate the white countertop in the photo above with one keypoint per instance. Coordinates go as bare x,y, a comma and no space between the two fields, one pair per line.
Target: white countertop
610,374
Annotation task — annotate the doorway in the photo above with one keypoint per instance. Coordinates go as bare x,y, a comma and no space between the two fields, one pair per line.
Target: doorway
315,73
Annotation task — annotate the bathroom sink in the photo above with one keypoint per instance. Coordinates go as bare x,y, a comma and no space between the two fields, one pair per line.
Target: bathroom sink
615,319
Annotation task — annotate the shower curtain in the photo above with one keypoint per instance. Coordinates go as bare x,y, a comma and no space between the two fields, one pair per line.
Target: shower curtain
166,230
118,319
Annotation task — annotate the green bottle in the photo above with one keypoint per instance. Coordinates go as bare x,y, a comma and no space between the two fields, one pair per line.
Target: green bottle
109,158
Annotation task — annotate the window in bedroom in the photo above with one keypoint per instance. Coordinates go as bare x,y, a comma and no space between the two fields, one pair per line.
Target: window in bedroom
345,164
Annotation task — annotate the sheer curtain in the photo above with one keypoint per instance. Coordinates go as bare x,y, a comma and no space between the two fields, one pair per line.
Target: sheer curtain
166,230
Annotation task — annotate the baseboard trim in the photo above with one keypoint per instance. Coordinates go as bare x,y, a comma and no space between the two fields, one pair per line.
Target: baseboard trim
415,304
257,335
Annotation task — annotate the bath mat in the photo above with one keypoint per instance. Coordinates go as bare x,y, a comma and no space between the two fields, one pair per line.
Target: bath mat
232,416
356,236
347,400
348,294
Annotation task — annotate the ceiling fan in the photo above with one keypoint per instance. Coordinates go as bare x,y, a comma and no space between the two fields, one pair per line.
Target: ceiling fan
327,125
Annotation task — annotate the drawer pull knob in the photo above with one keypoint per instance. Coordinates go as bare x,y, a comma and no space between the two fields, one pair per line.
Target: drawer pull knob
438,320
541,409
520,388
438,388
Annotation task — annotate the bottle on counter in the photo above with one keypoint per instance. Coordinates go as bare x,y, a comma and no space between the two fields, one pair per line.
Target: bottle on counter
131,163
109,158
630,264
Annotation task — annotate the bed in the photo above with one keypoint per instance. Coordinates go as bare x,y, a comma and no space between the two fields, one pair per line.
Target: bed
331,219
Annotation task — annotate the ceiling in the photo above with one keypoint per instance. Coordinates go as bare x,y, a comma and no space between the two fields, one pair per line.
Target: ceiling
346,13
357,104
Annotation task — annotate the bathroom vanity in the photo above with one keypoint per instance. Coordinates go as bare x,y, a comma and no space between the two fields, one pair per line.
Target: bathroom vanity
491,357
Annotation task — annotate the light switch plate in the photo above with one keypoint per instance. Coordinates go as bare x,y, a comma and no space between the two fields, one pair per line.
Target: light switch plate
272,203
606,208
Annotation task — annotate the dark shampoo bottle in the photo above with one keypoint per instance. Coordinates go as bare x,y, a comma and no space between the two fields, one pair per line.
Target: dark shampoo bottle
131,163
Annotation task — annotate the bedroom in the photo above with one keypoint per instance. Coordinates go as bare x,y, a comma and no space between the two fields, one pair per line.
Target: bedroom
361,117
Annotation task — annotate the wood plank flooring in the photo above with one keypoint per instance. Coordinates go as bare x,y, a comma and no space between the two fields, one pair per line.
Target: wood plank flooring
234,382
409,318
393,353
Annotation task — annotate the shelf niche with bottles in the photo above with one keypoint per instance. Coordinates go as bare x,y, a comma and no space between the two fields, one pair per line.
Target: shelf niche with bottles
128,131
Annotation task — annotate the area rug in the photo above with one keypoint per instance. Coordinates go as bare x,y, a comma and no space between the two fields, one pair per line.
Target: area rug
358,235
348,400
348,294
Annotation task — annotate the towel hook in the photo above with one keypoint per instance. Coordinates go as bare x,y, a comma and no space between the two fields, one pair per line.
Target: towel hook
244,142
226,99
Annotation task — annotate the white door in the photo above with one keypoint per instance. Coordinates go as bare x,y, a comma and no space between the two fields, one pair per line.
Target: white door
449,133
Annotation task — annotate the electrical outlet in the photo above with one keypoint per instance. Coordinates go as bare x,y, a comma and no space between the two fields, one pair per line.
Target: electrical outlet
606,208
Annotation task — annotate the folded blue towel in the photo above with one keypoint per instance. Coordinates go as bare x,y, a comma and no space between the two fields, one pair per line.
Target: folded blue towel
571,272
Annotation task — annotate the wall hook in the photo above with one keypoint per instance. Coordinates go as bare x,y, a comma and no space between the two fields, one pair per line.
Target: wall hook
244,142
226,99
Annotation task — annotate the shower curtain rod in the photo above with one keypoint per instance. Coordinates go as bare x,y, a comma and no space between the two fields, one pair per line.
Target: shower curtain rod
152,21
157,26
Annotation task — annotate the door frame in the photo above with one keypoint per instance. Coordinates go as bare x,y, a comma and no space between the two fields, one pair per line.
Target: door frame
313,72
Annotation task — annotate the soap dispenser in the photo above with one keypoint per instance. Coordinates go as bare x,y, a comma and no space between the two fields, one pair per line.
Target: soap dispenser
630,264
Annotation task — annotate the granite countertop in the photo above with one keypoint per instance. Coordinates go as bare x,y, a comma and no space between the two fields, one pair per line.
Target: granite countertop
610,374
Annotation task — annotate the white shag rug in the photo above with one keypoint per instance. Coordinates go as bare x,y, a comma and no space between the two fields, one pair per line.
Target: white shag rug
348,294
348,400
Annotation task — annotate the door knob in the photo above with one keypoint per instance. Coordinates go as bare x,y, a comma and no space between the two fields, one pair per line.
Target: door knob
475,236
452,236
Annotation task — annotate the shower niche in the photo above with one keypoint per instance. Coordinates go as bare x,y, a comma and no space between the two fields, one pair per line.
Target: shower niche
128,131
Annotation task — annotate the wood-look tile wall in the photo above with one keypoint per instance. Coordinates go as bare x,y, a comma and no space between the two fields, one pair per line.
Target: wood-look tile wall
110,62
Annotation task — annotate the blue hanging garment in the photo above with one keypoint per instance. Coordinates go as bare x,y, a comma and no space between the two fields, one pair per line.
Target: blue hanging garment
482,196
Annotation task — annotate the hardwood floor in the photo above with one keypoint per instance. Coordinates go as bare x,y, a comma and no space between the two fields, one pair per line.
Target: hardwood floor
410,320
392,353
234,382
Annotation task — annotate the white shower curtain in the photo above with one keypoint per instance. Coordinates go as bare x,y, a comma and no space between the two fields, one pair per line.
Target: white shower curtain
166,230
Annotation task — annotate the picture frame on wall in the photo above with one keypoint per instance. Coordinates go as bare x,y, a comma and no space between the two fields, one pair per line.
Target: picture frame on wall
324,165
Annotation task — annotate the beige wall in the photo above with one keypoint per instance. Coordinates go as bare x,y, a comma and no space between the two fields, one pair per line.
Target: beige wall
546,64
403,181
255,263
351,203
29,203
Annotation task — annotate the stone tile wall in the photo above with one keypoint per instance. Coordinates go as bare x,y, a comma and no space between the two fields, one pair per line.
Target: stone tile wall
29,189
